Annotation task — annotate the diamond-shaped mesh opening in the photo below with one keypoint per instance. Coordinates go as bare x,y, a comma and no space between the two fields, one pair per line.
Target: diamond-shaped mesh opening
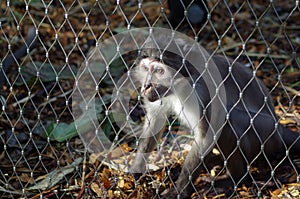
117,99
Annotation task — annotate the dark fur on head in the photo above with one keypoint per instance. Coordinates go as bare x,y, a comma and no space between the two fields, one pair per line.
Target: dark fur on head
171,59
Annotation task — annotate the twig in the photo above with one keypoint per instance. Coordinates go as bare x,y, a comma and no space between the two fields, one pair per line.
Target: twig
8,191
55,98
23,100
293,91
267,55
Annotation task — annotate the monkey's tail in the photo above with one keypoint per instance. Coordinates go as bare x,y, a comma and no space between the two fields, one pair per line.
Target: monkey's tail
291,139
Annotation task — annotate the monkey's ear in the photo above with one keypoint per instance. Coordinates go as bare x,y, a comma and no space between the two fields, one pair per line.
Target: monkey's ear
140,55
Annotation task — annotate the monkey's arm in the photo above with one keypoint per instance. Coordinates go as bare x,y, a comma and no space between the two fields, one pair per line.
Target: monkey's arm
30,44
152,129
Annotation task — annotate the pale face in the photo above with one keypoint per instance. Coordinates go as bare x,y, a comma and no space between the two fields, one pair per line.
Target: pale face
155,77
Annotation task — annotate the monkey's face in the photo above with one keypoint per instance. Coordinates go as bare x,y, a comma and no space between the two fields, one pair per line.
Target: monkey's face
155,78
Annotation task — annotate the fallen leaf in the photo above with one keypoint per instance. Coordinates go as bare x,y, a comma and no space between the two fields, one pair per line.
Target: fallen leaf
95,187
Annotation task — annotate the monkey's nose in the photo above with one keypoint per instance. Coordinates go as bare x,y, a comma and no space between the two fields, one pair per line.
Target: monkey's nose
147,86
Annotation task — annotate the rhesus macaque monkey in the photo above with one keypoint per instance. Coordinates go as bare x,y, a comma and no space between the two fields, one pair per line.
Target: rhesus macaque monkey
250,128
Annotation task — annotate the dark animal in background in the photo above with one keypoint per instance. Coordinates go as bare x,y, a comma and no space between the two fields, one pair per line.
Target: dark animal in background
196,11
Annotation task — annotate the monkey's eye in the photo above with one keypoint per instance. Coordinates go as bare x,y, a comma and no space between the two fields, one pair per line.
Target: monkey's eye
145,67
160,71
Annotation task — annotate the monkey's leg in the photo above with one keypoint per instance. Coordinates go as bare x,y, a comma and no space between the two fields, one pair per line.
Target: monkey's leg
193,163
147,142
236,172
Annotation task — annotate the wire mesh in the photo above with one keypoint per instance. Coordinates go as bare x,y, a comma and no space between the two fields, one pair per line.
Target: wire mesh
64,65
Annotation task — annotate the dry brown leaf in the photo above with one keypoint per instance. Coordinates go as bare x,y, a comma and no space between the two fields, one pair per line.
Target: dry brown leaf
25,178
94,157
95,187
126,148
242,16
110,194
287,121
105,178
117,152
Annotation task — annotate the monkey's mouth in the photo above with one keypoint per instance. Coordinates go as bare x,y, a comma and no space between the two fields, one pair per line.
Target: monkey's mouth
154,92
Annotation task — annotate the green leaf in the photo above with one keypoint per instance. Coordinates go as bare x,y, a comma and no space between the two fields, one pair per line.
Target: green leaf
62,131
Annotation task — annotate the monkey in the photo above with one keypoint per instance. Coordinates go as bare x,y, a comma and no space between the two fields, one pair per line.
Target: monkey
26,48
250,129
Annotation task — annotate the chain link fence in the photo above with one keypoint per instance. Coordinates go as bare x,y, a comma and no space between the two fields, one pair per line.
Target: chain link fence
65,133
